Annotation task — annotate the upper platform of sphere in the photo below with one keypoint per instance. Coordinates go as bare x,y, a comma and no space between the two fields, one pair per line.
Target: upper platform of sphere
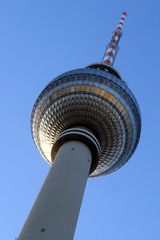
94,97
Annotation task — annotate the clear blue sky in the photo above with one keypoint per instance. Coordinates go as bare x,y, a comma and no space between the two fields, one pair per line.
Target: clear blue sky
38,41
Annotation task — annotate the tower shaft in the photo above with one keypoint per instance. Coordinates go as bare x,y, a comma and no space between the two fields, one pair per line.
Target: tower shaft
55,212
112,47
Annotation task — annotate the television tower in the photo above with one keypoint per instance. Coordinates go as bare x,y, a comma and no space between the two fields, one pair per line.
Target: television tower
86,122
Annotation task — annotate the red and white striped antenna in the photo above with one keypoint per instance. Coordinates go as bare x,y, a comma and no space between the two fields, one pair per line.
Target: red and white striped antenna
112,47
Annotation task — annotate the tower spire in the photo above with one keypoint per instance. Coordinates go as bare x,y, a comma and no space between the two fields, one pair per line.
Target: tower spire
112,47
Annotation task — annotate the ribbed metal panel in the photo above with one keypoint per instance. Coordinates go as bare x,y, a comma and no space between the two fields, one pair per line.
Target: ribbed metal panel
97,100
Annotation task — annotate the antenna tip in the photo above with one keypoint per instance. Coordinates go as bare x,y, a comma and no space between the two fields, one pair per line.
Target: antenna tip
124,13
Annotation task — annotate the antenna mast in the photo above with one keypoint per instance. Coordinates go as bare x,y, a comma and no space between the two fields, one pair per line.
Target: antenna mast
112,47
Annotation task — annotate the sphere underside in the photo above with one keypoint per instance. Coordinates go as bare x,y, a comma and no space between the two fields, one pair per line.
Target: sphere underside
94,99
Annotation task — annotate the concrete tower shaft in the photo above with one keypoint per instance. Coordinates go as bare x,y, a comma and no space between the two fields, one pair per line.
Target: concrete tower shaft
55,211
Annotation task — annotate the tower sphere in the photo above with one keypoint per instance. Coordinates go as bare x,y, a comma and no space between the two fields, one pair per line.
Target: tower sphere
95,98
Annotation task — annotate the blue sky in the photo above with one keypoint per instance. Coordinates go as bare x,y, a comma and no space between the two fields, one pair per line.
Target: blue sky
38,41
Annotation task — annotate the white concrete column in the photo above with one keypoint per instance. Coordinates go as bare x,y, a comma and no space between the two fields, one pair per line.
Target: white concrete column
55,212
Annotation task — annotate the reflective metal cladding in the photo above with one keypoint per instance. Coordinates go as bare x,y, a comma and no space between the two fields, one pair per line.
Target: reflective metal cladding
94,97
